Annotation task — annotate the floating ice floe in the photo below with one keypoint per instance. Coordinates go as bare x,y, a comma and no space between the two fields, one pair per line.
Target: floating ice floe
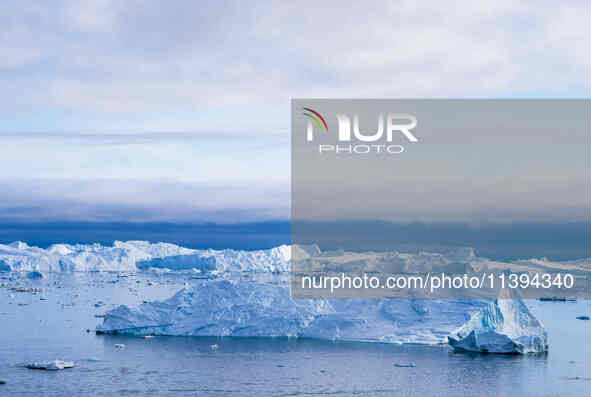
51,365
504,326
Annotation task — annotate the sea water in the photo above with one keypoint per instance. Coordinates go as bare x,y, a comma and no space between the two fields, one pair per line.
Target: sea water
54,318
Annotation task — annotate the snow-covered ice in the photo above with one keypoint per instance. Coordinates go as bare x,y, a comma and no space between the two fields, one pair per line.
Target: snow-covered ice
248,308
51,365
228,260
238,305
131,256
122,256
503,326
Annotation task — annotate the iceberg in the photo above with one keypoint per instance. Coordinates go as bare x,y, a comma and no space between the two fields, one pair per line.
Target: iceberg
244,308
225,301
274,260
504,326
253,309
131,256
121,257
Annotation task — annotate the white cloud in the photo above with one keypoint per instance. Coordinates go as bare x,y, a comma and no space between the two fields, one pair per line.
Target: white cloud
137,66
91,15
111,200
114,59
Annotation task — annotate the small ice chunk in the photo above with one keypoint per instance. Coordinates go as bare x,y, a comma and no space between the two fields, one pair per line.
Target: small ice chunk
214,347
409,365
51,365
119,346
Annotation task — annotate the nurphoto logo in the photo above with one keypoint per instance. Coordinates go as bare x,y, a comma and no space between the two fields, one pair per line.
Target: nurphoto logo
396,124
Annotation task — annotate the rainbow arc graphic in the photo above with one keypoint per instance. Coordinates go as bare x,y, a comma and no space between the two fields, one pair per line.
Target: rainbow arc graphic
317,118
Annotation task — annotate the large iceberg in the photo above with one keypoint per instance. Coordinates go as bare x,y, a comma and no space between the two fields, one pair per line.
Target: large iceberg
131,256
122,256
274,260
503,326
251,309
247,308
259,303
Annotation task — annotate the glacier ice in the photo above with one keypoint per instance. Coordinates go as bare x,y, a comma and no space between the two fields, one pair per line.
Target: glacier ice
122,256
51,365
230,305
228,260
4,266
35,275
505,325
131,256
249,308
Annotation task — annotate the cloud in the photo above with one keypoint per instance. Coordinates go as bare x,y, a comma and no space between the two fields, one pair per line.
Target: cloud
221,158
176,177
87,87
142,64
140,201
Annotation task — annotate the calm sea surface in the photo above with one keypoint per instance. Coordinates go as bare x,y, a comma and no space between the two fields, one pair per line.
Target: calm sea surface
53,325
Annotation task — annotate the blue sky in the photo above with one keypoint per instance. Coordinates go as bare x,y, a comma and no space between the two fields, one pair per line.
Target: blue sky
179,111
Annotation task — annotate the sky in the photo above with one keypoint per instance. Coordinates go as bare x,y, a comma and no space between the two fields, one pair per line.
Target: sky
180,111
476,161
